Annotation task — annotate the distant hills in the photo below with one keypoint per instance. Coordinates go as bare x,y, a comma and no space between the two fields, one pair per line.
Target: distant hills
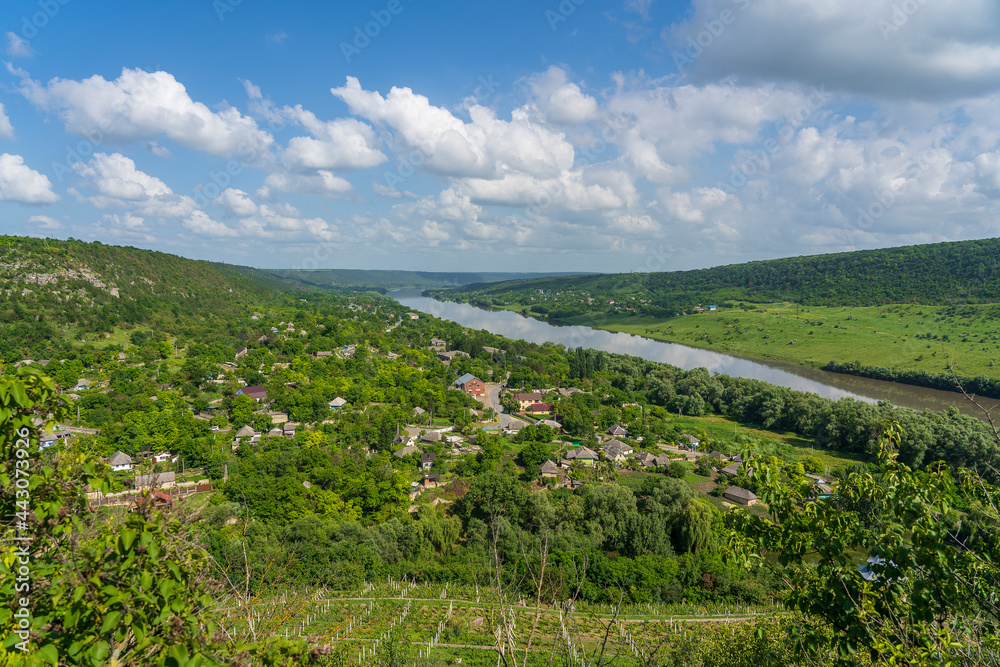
939,273
357,279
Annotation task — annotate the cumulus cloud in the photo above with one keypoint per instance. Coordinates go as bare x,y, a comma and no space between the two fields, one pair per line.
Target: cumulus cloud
6,129
881,48
202,224
44,223
20,183
119,184
343,143
142,106
236,202
18,47
485,147
560,100
323,183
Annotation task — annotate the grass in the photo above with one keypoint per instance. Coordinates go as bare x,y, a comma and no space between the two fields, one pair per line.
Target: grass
904,336
720,433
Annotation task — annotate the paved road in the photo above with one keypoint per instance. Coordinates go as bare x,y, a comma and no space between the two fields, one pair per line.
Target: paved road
492,400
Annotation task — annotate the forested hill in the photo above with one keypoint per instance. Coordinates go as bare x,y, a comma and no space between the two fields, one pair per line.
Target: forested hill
939,273
56,290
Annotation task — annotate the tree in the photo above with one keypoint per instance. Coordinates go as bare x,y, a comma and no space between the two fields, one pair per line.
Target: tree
924,596
677,469
532,455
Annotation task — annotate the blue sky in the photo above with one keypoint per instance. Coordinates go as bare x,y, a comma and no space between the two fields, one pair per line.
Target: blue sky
519,136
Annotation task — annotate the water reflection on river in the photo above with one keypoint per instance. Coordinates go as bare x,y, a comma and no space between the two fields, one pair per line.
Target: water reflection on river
829,385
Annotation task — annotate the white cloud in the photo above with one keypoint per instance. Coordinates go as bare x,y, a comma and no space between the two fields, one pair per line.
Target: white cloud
125,221
283,220
486,147
20,183
686,121
559,100
236,202
929,50
116,176
323,183
6,129
44,222
278,37
18,47
343,143
386,191
143,106
119,184
200,223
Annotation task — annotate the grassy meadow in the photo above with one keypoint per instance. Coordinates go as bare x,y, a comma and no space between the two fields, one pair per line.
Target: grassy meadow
904,336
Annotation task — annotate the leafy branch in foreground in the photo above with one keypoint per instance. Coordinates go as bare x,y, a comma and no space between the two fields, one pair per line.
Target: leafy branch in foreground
929,593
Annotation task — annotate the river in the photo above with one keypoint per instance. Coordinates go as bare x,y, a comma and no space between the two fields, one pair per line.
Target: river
826,384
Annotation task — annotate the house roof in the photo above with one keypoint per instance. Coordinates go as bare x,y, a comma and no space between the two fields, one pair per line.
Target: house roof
540,407
253,392
155,478
428,457
432,436
245,431
338,402
739,492
581,453
549,467
419,411
717,455
120,458
468,377
732,469
618,429
406,451
690,438
529,396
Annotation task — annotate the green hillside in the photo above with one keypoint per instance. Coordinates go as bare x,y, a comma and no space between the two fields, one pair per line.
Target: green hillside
940,273
58,291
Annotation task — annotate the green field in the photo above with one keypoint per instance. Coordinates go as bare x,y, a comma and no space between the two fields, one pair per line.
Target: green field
908,337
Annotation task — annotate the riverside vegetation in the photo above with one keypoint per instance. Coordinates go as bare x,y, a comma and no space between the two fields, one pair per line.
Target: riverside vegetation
311,549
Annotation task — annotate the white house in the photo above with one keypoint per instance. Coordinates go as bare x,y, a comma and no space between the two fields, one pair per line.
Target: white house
120,461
